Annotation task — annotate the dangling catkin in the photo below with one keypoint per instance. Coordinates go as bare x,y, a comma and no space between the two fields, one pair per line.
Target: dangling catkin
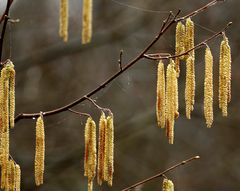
11,94
160,105
180,45
87,21
208,88
171,101
224,76
190,86
167,185
11,175
101,148
63,20
40,151
109,150
189,39
17,177
90,152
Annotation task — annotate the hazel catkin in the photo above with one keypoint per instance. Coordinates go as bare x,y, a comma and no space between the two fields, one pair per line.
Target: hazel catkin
167,185
208,88
87,21
40,151
160,104
63,20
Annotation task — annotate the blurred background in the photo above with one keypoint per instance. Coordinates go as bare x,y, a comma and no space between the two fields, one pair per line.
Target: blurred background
51,73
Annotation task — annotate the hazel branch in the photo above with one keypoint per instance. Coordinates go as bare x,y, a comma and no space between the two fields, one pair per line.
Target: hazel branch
158,56
161,174
170,20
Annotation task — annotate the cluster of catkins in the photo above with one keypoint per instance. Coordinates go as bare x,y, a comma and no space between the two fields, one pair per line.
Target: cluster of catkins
167,185
167,89
104,160
10,170
86,20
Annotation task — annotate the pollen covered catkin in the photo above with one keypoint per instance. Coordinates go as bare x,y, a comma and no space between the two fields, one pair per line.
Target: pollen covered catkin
160,105
190,86
109,150
224,76
208,88
90,152
171,101
40,151
167,185
87,21
179,45
101,148
189,38
63,20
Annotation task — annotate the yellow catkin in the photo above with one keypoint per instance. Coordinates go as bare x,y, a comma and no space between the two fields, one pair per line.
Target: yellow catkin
109,151
171,101
90,151
11,175
87,21
40,151
17,177
160,104
101,148
224,76
167,185
208,88
179,45
190,86
189,38
11,94
63,20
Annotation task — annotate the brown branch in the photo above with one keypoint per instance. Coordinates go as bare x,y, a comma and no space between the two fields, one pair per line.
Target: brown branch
157,56
5,18
79,113
171,19
161,173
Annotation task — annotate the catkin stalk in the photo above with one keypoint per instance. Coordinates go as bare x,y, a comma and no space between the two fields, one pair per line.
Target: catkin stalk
63,20
87,21
101,148
208,88
190,86
224,76
160,105
40,151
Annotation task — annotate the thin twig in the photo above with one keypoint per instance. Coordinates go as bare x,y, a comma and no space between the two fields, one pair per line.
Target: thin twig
97,106
79,113
157,56
161,173
5,18
120,60
171,19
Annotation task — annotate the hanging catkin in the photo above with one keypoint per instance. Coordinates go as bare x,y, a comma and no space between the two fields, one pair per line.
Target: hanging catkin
208,88
179,45
189,38
40,151
17,177
190,86
11,175
224,76
160,105
63,20
11,94
90,152
109,150
101,148
167,185
171,101
87,21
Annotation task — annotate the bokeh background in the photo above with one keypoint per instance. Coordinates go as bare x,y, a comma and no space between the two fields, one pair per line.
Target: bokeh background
51,73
